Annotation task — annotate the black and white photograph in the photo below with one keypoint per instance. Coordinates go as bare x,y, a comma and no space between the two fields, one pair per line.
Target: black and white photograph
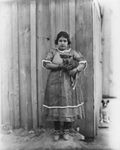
59,75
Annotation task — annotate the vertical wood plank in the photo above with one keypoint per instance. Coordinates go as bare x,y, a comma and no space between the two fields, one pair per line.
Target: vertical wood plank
97,65
39,58
62,19
10,72
84,43
65,15
33,62
72,22
0,92
59,16
109,83
52,22
43,45
1,65
15,65
24,60
5,38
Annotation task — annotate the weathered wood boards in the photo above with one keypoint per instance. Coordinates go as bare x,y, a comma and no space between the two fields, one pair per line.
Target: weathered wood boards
29,30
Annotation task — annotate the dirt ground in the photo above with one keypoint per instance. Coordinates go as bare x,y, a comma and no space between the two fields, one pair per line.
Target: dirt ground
39,139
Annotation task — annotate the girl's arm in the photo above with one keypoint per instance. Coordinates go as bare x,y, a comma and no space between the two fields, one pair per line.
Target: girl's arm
47,62
52,61
82,62
50,65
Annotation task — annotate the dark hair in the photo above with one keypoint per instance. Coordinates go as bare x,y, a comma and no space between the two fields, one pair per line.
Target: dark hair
63,34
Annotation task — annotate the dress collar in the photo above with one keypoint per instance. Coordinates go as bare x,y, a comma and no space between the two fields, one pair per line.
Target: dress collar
65,51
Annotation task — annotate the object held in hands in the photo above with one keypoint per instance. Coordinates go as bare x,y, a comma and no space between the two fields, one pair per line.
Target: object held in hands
68,62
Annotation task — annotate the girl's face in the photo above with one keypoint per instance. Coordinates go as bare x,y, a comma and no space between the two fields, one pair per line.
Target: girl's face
62,43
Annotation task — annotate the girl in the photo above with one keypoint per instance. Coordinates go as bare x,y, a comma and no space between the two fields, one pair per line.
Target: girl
63,100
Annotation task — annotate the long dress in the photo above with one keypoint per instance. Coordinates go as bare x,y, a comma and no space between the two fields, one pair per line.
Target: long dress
61,101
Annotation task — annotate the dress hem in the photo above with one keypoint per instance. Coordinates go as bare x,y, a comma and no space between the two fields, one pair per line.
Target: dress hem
63,106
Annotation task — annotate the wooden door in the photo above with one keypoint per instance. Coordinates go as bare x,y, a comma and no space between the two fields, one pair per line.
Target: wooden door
76,17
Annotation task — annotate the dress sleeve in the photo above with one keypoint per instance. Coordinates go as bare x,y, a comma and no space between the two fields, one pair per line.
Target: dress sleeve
79,57
48,58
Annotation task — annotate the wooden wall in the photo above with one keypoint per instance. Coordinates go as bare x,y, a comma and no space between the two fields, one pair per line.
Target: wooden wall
28,30
111,47
97,63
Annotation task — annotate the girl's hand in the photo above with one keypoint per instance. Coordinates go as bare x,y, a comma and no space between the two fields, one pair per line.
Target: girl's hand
60,66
